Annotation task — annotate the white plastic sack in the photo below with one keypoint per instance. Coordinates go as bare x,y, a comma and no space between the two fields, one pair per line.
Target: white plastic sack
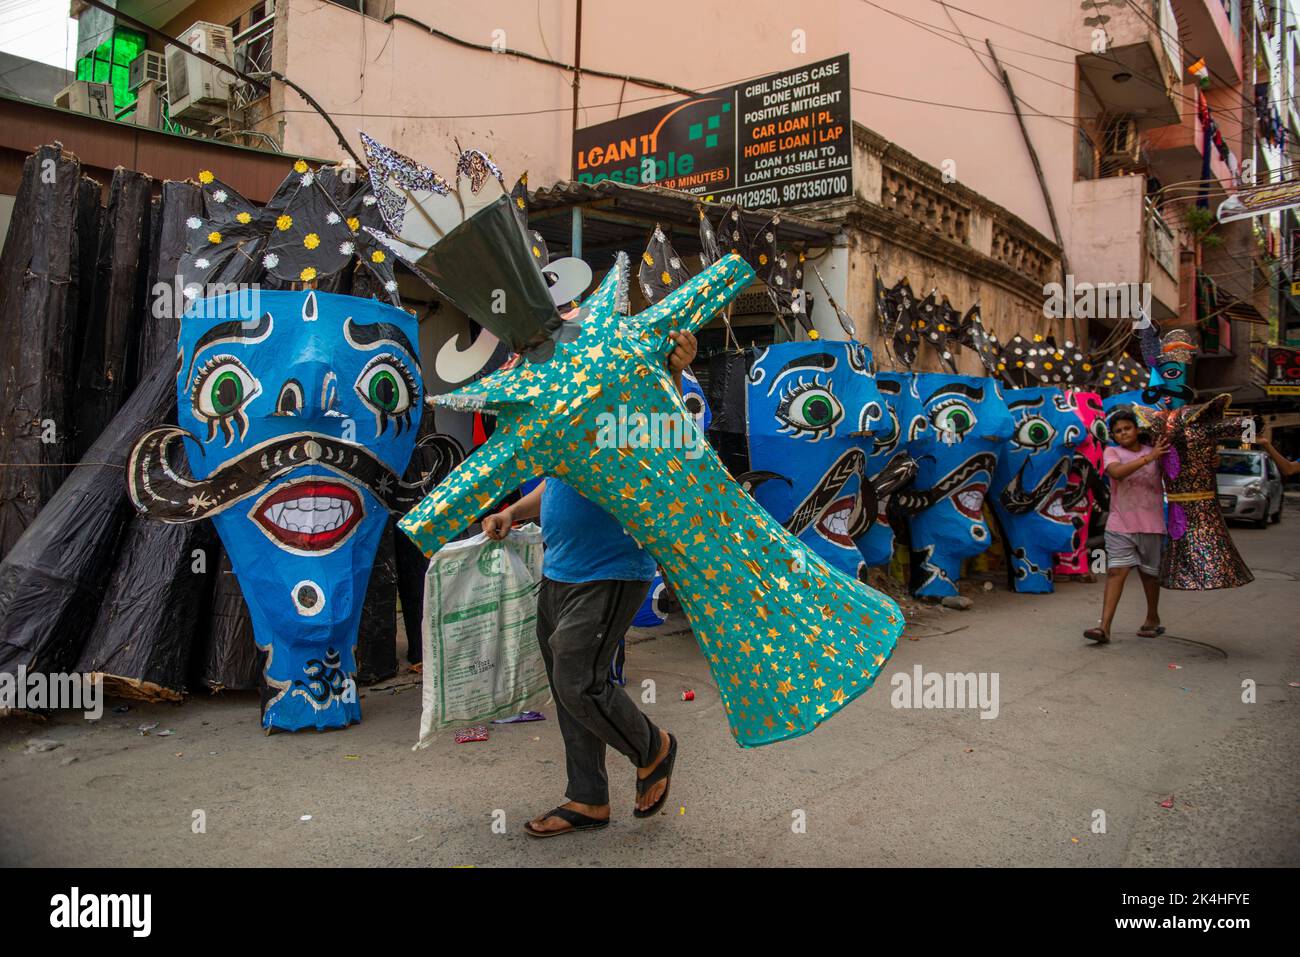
481,658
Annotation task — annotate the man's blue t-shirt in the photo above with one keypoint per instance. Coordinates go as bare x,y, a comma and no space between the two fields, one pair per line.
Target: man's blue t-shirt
584,543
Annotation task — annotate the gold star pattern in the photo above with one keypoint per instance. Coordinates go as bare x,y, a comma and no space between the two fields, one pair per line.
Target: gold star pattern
707,534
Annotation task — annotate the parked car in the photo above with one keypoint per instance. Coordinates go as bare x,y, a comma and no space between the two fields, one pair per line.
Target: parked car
1250,486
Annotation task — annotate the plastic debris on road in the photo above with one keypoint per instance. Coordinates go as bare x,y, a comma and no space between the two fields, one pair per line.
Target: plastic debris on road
476,733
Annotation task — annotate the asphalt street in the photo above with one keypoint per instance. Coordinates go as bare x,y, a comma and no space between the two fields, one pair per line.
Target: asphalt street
1088,745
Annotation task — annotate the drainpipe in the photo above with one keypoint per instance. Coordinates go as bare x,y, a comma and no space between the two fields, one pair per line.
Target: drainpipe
577,69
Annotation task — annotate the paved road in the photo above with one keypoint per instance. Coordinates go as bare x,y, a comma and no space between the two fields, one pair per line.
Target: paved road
1080,730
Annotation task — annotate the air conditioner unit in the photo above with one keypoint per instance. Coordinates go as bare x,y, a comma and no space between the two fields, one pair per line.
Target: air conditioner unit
1121,144
148,66
83,96
197,89
148,105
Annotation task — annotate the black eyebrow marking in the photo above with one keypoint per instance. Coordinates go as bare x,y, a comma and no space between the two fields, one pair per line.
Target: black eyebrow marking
246,333
975,392
893,388
1025,403
817,360
367,336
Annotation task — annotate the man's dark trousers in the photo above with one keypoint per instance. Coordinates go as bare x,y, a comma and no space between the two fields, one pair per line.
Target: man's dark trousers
579,627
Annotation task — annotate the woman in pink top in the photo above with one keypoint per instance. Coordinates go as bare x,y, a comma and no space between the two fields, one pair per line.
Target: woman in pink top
1135,529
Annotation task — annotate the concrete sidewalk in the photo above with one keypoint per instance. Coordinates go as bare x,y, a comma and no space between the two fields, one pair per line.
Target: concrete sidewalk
1080,730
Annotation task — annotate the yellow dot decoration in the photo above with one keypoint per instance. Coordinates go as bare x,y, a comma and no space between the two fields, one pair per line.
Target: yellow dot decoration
300,166
666,279
814,334
311,240
206,177
308,274
284,222
214,237
377,256
649,260
244,217
353,223
762,259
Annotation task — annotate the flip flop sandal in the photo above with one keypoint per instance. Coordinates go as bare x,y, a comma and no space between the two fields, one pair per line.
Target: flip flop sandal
1097,635
576,820
1155,632
664,770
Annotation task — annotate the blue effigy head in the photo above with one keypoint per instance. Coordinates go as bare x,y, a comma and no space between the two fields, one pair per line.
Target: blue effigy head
297,420
1031,485
1167,386
812,408
957,430
890,442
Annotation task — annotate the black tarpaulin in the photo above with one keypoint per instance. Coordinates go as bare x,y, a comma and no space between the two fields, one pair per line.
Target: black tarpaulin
152,611
377,631
179,203
105,374
53,579
230,660
38,308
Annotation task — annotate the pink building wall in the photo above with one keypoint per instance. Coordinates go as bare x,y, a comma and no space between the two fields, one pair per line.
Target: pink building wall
367,73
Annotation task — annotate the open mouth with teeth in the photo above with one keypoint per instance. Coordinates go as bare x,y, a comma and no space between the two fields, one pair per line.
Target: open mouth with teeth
834,523
312,515
969,500
1057,507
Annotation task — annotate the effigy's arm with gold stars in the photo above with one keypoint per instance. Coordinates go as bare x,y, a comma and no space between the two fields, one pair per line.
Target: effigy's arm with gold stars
789,640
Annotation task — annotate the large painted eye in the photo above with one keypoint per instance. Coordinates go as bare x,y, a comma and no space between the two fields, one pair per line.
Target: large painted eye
953,418
810,409
1033,432
888,438
388,389
1099,431
222,389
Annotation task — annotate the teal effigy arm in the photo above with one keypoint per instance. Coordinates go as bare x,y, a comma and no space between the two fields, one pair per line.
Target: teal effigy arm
790,640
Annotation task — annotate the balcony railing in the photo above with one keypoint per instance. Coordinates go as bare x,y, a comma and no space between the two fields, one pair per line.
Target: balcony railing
1160,241
253,48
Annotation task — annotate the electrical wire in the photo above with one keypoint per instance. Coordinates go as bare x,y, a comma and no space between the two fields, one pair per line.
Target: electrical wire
1075,50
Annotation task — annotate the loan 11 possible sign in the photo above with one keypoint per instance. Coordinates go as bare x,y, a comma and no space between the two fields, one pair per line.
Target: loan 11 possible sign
774,141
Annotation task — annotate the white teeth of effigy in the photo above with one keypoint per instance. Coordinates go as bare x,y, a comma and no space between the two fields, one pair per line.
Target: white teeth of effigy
311,515
971,499
837,523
